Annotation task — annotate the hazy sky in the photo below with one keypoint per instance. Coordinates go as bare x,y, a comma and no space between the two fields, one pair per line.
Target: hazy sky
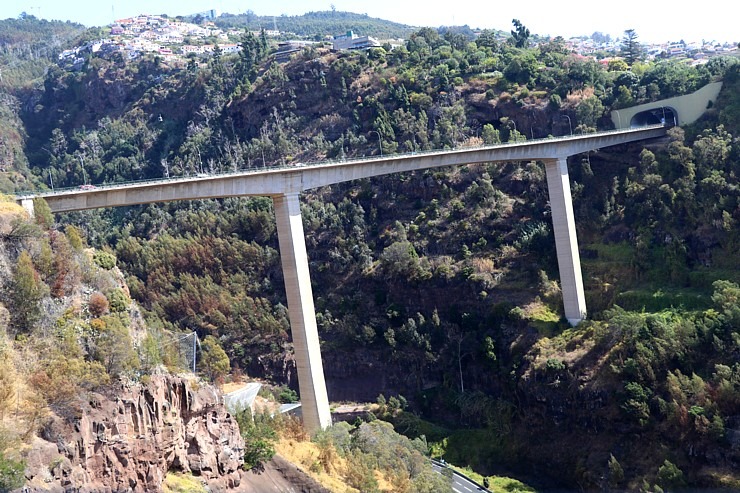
653,21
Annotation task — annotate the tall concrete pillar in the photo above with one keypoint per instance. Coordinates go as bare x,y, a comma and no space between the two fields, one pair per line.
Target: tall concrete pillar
566,243
314,399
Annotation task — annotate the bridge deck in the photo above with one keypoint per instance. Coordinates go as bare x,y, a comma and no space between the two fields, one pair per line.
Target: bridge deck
299,177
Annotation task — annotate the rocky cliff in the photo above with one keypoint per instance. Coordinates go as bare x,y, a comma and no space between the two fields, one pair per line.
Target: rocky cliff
129,439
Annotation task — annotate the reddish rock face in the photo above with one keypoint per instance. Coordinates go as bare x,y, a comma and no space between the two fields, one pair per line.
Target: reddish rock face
129,441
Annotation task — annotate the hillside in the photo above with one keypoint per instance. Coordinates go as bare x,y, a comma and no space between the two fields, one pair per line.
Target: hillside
444,279
28,45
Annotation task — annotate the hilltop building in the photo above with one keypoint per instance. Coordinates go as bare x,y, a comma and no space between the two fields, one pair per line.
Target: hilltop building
287,49
351,41
207,14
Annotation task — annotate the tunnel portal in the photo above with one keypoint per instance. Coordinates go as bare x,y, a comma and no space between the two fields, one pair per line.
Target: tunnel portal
655,116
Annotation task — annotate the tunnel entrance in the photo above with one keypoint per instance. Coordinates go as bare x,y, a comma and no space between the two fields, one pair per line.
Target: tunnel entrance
655,116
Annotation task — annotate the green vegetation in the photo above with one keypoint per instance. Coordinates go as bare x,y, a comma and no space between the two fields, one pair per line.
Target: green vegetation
182,483
318,24
213,360
260,433
446,279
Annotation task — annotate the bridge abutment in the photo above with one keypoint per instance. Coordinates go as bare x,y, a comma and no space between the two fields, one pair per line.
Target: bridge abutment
294,260
566,242
28,205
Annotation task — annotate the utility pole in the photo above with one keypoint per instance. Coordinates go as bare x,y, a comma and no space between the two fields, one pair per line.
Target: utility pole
195,338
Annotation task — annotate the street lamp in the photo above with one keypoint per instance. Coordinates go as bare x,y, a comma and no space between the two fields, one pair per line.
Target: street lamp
380,141
570,125
51,181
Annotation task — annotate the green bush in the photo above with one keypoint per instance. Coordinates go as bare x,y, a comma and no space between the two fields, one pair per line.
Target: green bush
286,395
104,259
259,433
11,473
118,300
669,475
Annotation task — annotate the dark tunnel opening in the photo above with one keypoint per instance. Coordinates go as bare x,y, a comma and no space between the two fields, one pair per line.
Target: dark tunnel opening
655,116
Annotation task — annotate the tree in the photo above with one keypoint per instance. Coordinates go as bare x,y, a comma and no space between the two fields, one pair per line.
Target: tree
487,38
617,66
213,360
589,110
67,272
631,48
74,237
670,476
26,294
616,473
520,34
490,135
11,472
42,213
114,348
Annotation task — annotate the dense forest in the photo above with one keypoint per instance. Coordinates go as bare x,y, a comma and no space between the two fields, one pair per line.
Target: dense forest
445,279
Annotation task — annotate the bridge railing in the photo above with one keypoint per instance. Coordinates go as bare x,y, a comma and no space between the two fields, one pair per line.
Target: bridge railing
282,167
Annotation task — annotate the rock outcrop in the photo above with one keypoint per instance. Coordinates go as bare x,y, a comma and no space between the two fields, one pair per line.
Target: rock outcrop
128,441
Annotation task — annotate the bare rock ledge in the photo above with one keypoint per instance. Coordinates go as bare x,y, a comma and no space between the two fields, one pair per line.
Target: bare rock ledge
128,441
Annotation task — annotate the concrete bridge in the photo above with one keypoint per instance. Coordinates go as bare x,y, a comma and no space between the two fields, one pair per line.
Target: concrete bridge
286,183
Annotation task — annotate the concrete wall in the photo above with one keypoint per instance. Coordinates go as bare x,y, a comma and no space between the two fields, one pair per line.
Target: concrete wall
688,108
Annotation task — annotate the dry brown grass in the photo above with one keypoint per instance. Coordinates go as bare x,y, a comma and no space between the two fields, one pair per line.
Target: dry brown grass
575,97
9,213
324,464
229,387
483,265
307,455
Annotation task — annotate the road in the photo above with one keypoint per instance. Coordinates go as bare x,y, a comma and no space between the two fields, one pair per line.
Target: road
244,397
460,484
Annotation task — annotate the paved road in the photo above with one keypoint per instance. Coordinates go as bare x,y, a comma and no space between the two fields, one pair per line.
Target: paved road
460,484
244,397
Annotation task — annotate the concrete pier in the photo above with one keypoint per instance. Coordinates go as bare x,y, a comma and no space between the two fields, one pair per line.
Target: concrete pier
294,259
566,242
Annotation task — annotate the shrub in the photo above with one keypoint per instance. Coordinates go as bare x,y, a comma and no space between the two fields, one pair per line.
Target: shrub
98,304
669,475
286,395
117,300
616,473
11,473
104,259
74,237
259,436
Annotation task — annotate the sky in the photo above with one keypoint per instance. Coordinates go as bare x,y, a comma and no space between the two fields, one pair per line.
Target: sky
654,22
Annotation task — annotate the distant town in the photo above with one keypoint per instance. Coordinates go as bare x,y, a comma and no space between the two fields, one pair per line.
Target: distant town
175,40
